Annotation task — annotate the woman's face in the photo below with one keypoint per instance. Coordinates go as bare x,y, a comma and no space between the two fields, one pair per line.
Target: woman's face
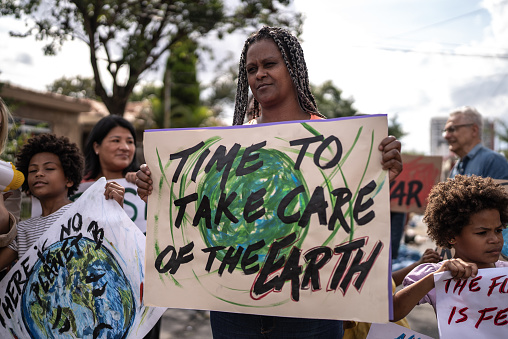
268,76
116,150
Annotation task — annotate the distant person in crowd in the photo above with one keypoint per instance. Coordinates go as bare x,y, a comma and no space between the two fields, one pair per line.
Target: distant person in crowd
463,132
53,169
10,202
468,214
273,66
397,222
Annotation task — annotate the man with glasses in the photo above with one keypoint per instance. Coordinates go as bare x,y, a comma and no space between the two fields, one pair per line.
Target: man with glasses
463,132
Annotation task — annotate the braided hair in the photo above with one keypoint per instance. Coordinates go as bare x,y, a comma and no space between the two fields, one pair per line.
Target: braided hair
292,53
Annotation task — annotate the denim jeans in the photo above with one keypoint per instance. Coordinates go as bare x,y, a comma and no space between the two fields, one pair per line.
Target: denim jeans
239,326
397,222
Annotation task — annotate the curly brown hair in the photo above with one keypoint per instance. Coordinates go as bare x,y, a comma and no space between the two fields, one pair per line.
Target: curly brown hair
453,202
68,153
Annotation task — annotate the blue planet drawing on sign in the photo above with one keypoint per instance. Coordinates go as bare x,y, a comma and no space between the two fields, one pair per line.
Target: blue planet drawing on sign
275,179
77,289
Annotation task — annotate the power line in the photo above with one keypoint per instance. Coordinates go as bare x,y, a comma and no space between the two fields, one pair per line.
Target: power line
407,50
439,23
503,55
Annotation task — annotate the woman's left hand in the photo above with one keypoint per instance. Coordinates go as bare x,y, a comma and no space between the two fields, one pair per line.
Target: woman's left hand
115,191
391,159
131,177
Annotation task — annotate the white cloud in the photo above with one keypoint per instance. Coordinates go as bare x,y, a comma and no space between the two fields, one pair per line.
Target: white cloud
23,61
347,42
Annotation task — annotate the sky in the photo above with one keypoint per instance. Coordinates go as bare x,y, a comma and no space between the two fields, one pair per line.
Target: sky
413,59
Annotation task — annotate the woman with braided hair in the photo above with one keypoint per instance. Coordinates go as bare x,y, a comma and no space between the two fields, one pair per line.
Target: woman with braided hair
272,65
274,43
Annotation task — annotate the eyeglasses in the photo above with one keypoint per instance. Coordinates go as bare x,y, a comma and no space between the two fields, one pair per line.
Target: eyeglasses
452,129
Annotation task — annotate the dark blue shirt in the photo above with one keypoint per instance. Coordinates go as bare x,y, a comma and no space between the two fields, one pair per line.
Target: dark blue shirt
483,162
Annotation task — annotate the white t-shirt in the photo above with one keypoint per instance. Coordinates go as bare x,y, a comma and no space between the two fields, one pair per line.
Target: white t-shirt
29,231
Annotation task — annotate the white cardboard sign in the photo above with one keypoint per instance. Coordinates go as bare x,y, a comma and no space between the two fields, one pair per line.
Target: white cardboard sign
287,219
82,279
475,307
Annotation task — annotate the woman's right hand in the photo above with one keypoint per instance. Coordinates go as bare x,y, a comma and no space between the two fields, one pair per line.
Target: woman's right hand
144,182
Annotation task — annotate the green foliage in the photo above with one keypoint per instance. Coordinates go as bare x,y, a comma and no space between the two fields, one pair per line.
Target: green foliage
395,128
502,134
152,93
146,91
186,109
182,63
77,87
222,91
18,136
330,102
132,36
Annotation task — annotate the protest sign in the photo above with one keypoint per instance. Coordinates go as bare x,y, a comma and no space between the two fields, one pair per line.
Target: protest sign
474,307
82,279
409,191
133,205
391,330
288,219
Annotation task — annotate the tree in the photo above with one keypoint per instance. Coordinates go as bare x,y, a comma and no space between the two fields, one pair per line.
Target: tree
182,89
77,87
222,89
395,128
131,36
330,102
502,134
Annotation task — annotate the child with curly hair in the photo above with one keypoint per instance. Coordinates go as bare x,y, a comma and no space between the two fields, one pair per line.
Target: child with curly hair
53,168
467,214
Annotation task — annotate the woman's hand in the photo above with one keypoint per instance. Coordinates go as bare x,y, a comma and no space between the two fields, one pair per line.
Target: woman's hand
144,182
115,191
131,177
391,159
459,268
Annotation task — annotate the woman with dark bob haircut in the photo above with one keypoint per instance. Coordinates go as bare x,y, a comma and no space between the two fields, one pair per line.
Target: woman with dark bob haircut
110,150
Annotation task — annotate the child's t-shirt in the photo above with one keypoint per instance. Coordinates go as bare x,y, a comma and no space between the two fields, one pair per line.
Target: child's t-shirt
420,271
30,230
